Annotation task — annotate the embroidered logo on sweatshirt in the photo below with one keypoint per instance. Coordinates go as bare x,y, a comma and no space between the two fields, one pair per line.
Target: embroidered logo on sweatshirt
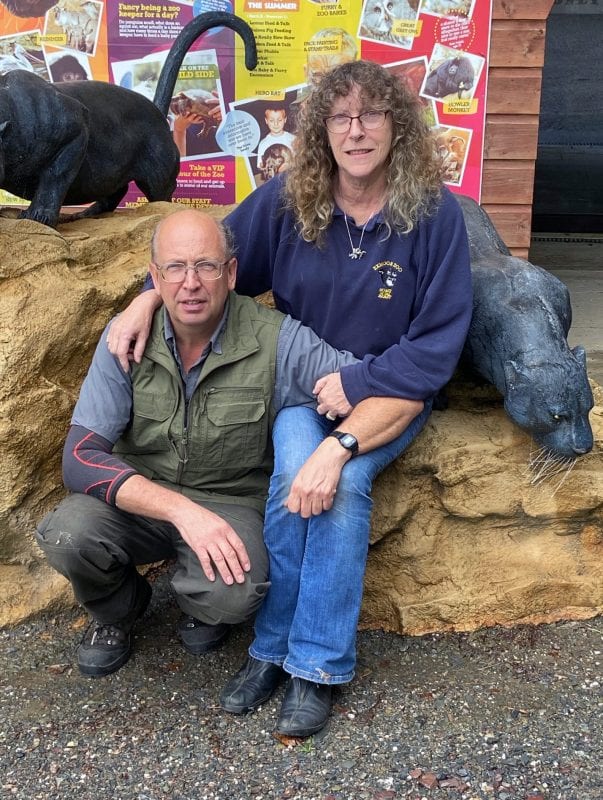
388,272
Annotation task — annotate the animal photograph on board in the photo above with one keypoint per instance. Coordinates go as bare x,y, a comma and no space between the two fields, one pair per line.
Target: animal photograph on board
69,133
412,73
68,67
452,74
385,21
197,106
448,8
78,22
452,145
23,51
325,49
275,159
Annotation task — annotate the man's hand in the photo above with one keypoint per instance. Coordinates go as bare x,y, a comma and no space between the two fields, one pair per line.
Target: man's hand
314,486
129,332
331,397
214,542
211,538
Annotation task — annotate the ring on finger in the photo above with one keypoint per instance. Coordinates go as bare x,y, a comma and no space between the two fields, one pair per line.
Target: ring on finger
330,416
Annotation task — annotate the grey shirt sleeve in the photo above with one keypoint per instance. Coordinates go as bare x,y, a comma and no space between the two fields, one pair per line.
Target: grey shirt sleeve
105,400
301,359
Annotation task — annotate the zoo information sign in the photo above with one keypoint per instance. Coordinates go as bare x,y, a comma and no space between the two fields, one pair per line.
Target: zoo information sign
234,128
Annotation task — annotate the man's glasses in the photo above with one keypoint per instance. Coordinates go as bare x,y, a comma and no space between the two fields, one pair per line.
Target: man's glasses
206,270
370,121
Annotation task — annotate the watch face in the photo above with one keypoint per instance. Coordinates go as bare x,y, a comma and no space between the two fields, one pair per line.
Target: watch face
348,441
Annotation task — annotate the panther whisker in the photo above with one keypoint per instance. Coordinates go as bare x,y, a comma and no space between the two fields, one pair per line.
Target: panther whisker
547,464
541,456
567,472
544,462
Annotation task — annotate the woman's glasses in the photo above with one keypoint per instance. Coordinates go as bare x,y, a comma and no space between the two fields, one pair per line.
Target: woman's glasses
370,121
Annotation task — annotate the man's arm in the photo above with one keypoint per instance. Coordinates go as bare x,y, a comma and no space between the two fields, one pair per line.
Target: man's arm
302,357
89,466
374,422
210,537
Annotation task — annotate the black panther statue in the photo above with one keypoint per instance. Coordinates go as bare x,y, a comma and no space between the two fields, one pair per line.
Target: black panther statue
82,142
517,341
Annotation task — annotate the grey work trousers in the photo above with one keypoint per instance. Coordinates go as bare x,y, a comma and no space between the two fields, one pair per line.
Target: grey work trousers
97,547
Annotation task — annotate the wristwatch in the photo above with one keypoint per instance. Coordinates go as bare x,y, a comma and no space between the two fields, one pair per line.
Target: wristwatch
346,440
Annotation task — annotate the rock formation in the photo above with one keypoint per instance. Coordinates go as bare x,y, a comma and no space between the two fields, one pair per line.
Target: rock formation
462,538
465,534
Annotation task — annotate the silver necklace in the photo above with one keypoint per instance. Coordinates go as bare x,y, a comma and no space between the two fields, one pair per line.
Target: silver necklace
357,252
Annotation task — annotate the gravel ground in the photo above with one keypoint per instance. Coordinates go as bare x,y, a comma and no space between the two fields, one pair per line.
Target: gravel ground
497,713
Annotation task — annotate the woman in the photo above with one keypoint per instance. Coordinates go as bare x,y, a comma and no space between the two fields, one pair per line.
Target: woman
360,241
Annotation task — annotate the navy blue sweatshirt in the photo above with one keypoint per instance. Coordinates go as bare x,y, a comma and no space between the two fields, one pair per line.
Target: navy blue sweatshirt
404,308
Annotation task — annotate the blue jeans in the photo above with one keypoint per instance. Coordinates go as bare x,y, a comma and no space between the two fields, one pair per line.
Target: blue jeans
307,622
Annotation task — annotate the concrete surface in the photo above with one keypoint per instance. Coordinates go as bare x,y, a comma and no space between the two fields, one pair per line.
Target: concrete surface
577,260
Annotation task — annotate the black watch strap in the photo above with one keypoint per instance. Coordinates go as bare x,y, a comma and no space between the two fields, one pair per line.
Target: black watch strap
346,440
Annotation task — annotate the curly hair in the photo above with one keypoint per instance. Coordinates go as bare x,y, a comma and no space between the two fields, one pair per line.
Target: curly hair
414,178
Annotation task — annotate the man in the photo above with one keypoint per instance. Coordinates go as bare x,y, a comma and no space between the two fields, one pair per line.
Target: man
174,458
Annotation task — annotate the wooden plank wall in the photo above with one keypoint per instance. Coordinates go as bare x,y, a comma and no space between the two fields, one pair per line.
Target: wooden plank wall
512,108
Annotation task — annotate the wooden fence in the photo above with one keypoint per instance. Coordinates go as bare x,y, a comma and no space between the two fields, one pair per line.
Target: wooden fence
512,109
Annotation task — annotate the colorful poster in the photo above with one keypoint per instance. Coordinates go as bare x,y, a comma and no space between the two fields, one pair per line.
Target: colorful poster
234,128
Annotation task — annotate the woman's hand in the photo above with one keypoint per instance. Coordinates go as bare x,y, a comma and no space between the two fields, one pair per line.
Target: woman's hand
128,334
331,397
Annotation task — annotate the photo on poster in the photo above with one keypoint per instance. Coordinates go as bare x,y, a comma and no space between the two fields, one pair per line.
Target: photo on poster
448,8
452,145
388,22
197,105
68,66
270,153
140,75
23,51
77,23
412,73
452,74
327,48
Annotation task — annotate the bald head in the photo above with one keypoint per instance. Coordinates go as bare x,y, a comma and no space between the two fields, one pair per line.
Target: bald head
185,244
183,224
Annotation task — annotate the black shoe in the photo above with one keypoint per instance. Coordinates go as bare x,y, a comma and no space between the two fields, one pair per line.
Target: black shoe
305,709
107,645
104,650
252,685
199,637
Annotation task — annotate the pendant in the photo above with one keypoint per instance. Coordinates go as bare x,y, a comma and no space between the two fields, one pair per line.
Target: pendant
356,253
